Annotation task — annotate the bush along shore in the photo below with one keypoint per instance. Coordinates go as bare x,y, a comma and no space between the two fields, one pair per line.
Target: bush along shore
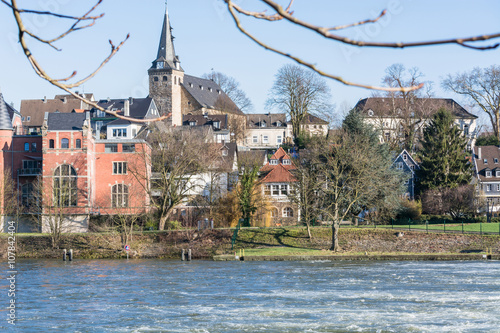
265,244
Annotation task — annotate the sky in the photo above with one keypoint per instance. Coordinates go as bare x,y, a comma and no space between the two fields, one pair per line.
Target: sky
206,39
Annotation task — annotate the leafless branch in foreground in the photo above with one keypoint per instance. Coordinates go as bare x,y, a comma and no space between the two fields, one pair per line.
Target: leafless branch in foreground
281,13
85,21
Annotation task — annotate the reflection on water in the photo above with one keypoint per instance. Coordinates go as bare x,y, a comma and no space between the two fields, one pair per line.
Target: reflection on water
205,296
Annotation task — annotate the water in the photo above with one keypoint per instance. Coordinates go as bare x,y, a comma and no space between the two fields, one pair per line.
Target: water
205,296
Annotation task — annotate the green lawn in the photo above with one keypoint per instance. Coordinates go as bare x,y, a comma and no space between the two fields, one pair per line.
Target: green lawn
467,227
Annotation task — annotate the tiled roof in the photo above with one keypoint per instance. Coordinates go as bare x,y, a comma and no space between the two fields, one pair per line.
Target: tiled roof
5,120
138,107
209,95
279,174
488,154
36,108
202,120
388,107
271,120
65,121
311,119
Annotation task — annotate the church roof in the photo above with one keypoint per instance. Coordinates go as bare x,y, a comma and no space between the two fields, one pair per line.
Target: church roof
209,95
166,51
5,120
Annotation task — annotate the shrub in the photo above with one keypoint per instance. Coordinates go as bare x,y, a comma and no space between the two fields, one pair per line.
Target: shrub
410,210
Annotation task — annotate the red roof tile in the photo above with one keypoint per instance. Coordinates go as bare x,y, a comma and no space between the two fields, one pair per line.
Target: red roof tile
279,175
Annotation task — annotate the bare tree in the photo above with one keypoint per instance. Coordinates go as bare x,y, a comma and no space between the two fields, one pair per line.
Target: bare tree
299,92
78,22
482,87
331,33
176,160
232,89
248,192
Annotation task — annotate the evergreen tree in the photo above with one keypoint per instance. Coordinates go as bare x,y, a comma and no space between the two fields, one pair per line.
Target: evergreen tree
444,158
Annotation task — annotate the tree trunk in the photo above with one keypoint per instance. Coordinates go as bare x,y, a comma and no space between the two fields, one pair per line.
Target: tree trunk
308,230
163,221
335,236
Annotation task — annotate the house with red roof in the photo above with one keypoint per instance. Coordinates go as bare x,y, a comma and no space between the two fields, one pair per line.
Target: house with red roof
276,180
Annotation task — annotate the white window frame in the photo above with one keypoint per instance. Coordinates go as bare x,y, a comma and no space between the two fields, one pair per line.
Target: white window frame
279,140
120,168
265,139
255,139
488,173
288,212
488,187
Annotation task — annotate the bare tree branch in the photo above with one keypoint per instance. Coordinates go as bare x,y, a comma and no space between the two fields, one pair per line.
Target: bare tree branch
327,32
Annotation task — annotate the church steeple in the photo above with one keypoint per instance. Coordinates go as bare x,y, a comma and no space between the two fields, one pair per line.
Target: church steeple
166,57
5,122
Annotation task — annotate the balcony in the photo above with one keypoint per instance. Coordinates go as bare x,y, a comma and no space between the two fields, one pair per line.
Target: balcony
29,172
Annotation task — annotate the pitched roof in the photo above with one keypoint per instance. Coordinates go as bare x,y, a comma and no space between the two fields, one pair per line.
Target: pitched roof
279,174
312,119
166,51
280,155
488,154
391,107
138,107
208,120
209,95
255,120
5,119
65,121
36,108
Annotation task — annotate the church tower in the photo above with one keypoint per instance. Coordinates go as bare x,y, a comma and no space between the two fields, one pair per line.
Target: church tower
166,76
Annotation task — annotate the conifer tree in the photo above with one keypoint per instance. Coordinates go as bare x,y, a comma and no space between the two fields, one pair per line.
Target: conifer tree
444,158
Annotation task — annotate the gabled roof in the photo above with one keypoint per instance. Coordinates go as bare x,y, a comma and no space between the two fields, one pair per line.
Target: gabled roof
279,174
36,108
271,119
389,107
312,119
205,120
488,153
280,155
400,157
138,107
209,95
65,121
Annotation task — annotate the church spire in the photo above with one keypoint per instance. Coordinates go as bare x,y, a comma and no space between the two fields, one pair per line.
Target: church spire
166,57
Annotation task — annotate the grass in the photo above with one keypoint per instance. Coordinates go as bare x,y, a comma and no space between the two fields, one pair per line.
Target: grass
467,227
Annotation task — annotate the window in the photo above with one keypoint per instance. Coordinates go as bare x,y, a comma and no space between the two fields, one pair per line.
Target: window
255,139
267,190
65,186
30,164
64,143
276,190
26,146
33,147
192,123
111,148
495,160
287,212
119,132
78,143
497,173
485,161
128,148
498,187
28,118
278,123
165,78
405,157
284,189
399,165
51,143
279,140
265,139
119,168
224,152
287,162
216,124
274,212
263,123
159,65
273,162
466,129
488,173
488,188
27,194
119,196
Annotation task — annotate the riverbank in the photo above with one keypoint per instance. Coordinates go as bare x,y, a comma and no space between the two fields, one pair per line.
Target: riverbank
265,244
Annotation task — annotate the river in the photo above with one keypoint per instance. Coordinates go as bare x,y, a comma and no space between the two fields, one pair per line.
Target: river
206,296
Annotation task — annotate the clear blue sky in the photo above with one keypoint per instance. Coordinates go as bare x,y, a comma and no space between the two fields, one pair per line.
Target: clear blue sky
206,38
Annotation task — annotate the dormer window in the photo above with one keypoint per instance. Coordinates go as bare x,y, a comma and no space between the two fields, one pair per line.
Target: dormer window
278,123
488,173
263,123
273,162
159,65
216,124
495,160
370,113
192,123
201,87
485,161
287,162
497,173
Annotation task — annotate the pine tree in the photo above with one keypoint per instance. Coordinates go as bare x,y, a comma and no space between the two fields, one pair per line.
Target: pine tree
444,158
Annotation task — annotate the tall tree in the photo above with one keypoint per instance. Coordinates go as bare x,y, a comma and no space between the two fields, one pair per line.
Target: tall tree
444,157
299,92
232,89
247,190
482,86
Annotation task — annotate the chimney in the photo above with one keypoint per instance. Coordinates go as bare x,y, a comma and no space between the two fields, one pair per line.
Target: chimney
65,100
478,153
131,100
126,108
45,99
